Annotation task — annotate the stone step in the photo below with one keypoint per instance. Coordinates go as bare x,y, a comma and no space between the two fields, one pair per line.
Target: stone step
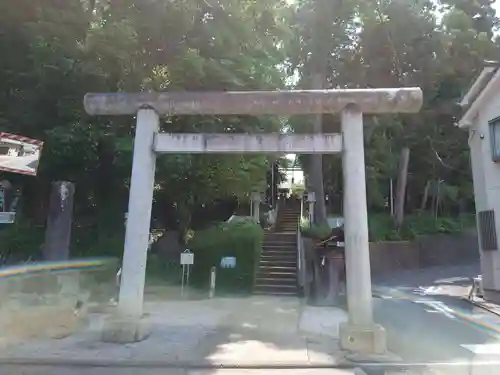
270,285
279,259
280,293
289,263
266,254
265,289
284,269
287,239
277,272
278,255
276,280
278,250
280,247
281,238
265,272
276,283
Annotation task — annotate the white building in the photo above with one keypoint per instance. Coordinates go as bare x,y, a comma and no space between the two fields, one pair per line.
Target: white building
482,120
294,176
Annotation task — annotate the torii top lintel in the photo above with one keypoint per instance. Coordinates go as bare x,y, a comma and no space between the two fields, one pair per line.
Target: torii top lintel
291,102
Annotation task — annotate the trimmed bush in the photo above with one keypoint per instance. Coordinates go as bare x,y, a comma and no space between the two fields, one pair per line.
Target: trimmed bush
242,240
20,241
316,232
382,226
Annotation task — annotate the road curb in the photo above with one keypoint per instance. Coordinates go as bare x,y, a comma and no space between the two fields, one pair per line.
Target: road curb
356,368
480,305
127,363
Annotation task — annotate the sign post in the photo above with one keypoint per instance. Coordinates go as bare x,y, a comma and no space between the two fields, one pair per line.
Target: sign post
213,272
187,260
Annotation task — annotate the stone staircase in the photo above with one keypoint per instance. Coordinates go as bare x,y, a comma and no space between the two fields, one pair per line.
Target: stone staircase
277,273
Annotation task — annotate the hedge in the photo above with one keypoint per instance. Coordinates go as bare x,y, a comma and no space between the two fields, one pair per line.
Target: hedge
317,232
242,240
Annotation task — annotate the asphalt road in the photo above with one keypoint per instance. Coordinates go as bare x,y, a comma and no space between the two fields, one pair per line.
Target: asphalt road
28,162
426,321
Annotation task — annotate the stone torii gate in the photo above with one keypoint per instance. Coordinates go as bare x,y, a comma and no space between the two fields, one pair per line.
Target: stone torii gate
359,334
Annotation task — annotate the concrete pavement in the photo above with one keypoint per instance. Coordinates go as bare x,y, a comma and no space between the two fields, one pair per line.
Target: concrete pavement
15,370
425,319
256,332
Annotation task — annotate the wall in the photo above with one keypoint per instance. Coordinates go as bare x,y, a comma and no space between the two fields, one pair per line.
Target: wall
486,176
426,251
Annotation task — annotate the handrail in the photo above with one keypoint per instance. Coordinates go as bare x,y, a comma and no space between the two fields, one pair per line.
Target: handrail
301,208
301,261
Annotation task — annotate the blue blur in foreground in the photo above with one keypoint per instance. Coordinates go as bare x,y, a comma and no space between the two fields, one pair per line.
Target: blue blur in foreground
35,268
228,262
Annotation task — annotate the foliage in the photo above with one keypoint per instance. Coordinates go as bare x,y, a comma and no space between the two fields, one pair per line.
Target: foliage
381,228
162,269
54,52
16,245
242,240
298,190
317,232
392,43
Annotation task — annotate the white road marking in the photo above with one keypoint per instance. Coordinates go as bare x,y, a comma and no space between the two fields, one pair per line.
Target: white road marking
482,348
438,307
452,280
429,290
384,296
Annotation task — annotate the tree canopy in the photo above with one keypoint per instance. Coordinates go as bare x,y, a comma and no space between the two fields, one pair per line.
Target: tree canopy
54,51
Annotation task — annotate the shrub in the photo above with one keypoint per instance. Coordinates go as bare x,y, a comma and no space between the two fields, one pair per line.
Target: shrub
317,232
242,240
20,241
382,226
161,269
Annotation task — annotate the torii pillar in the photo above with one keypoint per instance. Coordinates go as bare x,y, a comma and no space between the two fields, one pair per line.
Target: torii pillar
360,334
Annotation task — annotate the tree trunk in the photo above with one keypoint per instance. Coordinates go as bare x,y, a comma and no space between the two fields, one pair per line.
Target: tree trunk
401,187
425,198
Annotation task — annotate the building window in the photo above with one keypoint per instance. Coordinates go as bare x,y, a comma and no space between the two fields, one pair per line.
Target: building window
495,139
487,230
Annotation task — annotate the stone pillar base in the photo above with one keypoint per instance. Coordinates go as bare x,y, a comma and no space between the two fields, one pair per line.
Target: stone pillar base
363,340
125,330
